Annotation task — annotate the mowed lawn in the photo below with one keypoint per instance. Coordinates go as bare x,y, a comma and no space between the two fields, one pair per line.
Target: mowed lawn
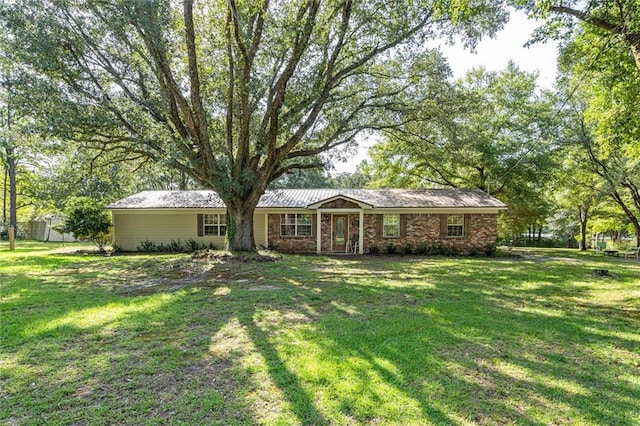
164,339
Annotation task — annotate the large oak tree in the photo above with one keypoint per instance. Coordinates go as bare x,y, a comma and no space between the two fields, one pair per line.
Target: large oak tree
617,20
234,93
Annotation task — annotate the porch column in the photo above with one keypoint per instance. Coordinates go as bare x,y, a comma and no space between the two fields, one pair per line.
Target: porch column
266,230
361,233
319,232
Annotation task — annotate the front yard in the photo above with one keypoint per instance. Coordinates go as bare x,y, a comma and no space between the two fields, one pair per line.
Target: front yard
165,339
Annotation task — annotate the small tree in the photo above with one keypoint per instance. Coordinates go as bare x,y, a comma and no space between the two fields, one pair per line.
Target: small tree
87,219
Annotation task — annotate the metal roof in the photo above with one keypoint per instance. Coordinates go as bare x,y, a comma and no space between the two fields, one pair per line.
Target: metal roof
169,200
302,198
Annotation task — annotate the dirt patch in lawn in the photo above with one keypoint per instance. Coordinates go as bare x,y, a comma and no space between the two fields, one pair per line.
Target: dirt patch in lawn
544,258
225,257
184,273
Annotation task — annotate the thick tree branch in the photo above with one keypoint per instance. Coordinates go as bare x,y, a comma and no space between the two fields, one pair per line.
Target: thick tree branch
163,83
103,61
194,77
296,166
300,44
333,80
588,18
632,39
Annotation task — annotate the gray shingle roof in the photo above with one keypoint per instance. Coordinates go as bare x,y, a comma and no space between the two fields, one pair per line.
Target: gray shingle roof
301,198
169,200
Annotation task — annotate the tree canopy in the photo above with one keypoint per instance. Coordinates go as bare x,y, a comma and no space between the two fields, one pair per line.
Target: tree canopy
616,21
495,132
233,93
238,96
601,86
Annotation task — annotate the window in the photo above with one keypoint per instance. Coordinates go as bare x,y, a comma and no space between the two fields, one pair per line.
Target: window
295,225
455,225
215,224
391,225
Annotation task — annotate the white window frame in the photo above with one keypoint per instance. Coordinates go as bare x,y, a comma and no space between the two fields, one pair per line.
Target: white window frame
391,226
297,222
214,224
455,226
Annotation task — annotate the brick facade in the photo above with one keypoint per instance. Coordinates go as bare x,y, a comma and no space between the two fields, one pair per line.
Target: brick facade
481,230
416,230
288,244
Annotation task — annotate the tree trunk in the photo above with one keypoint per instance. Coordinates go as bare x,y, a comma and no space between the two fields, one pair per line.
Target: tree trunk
584,216
183,179
240,224
5,192
635,195
13,218
583,237
635,49
11,161
11,167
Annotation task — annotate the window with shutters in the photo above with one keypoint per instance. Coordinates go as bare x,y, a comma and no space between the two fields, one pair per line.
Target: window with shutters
215,224
391,225
295,225
455,225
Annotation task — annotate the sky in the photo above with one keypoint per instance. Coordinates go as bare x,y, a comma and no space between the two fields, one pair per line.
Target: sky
493,54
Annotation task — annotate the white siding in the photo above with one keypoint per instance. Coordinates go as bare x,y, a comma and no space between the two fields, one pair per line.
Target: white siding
259,229
130,229
162,226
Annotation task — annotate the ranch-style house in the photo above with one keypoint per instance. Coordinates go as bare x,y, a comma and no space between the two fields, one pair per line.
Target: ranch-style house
316,220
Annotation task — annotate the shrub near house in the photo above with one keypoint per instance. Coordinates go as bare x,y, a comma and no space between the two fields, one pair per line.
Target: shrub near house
319,220
87,219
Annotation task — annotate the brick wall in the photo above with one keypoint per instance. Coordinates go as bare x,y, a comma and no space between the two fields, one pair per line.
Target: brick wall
420,229
481,230
326,232
287,244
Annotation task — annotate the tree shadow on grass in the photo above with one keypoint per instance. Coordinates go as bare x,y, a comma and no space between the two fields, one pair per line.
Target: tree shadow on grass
77,352
455,344
302,404
518,355
144,366
318,305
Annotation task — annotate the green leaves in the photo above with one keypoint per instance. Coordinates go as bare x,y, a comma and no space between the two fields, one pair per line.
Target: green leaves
232,93
491,130
615,21
87,219
490,124
600,85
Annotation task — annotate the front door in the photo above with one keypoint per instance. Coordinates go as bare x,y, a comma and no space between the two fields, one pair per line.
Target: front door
340,233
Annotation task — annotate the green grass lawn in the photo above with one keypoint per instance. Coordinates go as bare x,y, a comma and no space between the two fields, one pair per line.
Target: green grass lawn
143,339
